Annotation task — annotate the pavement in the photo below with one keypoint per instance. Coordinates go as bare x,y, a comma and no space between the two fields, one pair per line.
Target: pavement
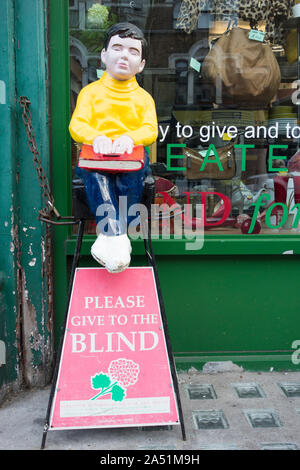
231,410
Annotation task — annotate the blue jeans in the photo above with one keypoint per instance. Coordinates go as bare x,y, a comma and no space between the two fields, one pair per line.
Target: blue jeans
103,188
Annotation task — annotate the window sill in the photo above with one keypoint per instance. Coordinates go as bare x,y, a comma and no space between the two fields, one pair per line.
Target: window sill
262,244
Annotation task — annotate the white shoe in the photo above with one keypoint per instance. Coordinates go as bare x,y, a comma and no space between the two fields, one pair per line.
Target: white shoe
112,252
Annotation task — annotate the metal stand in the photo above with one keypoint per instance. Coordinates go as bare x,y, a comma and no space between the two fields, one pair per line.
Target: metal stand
149,193
55,374
149,198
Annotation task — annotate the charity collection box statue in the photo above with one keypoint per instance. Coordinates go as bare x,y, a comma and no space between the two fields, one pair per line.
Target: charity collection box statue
115,117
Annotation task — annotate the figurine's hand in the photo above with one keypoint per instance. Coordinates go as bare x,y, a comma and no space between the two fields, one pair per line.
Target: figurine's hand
102,144
123,144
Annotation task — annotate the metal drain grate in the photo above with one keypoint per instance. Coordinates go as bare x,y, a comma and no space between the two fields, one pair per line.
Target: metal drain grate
219,446
210,419
262,418
248,390
279,446
291,389
200,392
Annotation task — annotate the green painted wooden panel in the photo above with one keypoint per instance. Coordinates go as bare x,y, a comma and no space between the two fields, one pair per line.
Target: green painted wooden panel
31,81
60,144
231,304
24,320
8,219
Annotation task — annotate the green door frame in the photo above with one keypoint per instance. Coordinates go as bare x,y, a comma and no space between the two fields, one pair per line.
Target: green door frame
248,252
60,144
26,320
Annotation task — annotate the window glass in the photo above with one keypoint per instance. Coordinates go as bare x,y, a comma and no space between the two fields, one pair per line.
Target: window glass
224,77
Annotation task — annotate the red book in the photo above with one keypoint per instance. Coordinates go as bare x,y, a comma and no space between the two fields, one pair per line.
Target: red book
112,162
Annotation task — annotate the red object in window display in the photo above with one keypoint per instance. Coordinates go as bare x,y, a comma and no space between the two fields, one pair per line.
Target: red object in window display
219,218
294,166
296,189
246,225
280,187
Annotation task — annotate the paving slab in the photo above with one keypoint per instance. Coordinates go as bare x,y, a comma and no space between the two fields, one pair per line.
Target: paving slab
234,410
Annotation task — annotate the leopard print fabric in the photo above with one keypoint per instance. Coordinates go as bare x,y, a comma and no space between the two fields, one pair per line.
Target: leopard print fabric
278,13
226,10
190,10
253,11
274,12
188,14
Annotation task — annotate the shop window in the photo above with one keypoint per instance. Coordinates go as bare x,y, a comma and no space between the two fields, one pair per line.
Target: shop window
181,68
253,143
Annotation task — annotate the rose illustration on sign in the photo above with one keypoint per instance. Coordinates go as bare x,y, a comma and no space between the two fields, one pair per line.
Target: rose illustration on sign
121,374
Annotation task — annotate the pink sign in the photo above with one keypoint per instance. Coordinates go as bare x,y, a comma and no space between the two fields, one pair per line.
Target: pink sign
114,369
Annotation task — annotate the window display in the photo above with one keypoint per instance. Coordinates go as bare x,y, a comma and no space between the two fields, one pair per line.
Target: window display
225,80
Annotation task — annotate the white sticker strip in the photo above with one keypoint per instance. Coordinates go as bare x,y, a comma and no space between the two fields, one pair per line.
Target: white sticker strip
2,92
2,353
107,407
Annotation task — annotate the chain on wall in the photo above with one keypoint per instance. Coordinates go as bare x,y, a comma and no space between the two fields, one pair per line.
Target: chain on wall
49,213
45,213
42,178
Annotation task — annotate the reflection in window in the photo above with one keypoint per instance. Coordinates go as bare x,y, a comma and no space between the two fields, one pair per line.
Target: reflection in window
177,33
181,68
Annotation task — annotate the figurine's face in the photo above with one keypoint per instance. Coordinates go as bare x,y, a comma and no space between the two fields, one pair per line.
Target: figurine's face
123,57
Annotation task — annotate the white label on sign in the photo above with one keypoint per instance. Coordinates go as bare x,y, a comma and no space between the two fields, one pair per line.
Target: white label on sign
132,406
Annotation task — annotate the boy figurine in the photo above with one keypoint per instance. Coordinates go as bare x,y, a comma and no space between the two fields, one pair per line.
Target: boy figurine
114,114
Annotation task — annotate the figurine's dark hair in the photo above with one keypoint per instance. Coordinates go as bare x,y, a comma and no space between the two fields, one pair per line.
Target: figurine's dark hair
126,30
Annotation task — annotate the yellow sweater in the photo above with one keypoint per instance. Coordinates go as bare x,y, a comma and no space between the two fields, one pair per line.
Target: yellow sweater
113,108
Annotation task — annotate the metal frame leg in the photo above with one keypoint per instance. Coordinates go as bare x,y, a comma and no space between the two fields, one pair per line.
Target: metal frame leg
152,262
55,374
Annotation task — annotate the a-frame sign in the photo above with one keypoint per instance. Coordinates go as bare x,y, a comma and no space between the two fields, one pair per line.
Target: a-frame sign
114,369
115,366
